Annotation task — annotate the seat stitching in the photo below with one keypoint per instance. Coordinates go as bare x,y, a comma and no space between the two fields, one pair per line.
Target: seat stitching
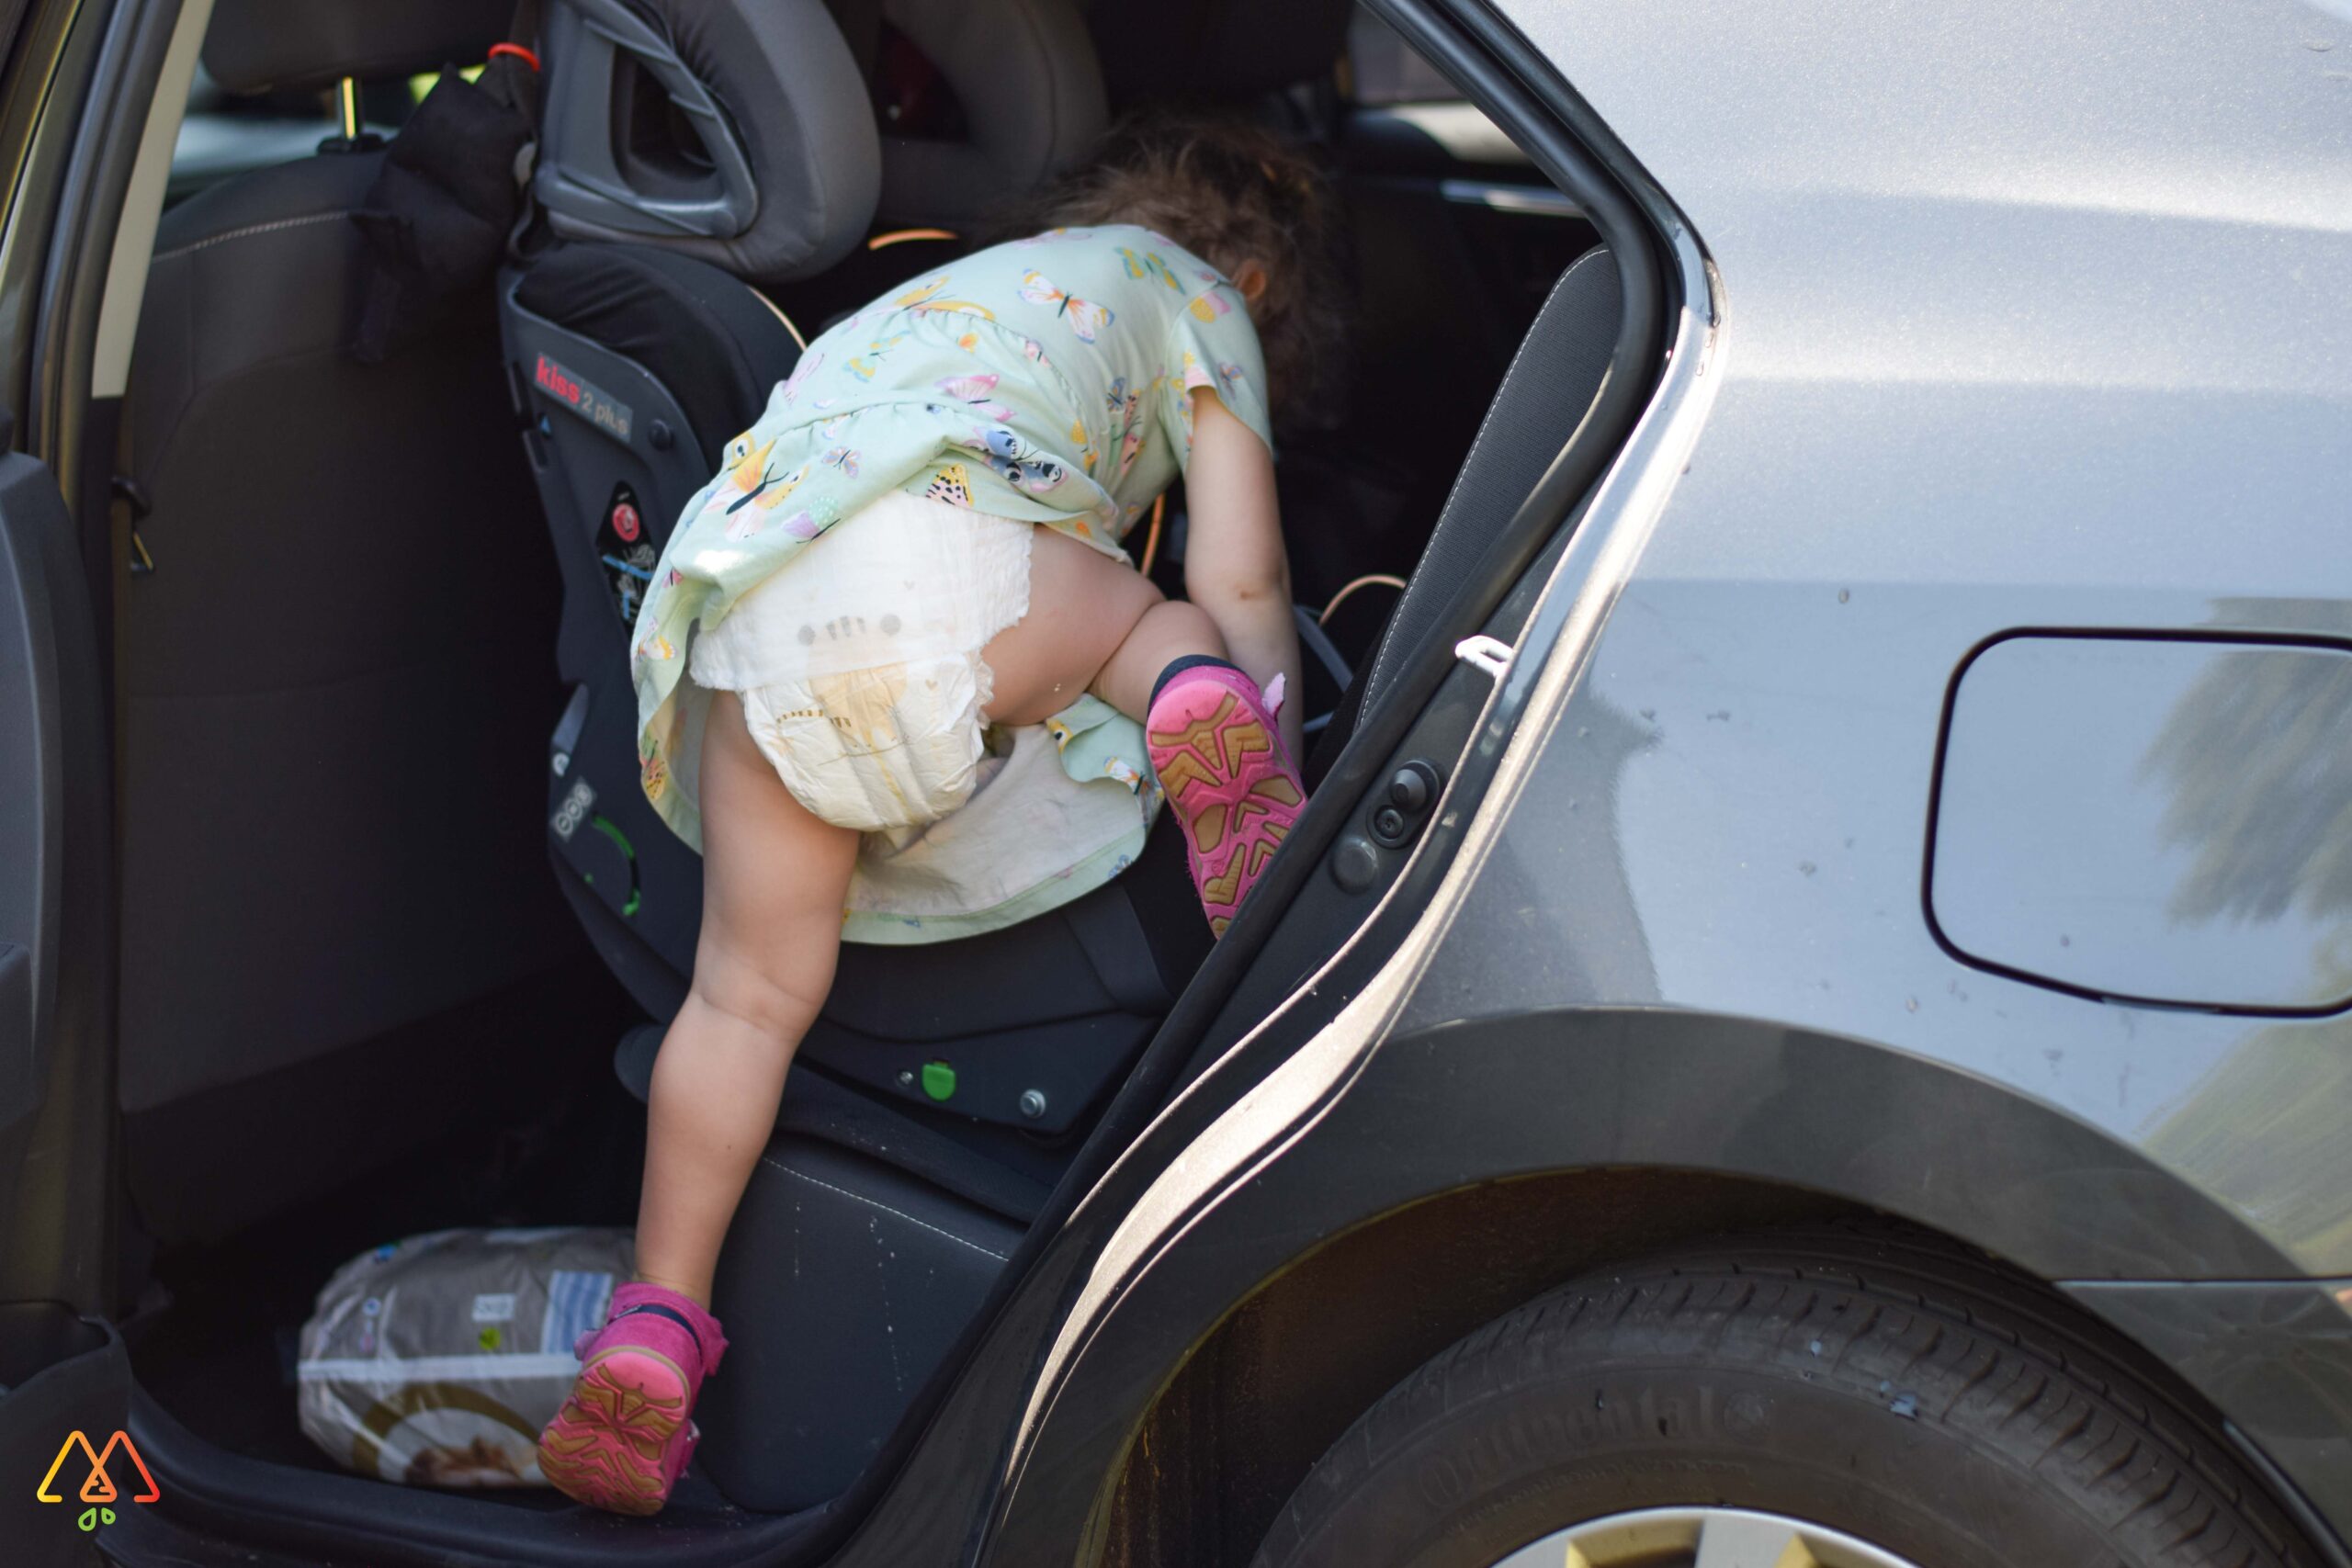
876,1204
1380,658
248,230
1518,360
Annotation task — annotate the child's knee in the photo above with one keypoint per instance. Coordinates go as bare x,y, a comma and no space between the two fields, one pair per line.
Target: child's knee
777,997
1185,628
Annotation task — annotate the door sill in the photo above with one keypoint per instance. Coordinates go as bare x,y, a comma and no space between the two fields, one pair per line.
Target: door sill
214,1495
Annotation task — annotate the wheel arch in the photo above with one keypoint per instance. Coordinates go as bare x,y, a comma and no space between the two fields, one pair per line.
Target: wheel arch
1230,1434
1452,1180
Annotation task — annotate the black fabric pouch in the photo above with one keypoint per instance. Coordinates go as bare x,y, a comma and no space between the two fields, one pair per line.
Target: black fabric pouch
437,217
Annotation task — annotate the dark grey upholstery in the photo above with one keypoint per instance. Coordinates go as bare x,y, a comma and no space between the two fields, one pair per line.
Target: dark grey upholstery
293,44
844,1282
333,685
1552,380
1024,72
1226,50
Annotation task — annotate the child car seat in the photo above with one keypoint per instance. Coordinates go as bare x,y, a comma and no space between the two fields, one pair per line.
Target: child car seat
637,350
689,145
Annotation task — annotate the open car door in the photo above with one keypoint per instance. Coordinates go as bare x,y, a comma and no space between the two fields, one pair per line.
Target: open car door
44,631
64,1378
62,1370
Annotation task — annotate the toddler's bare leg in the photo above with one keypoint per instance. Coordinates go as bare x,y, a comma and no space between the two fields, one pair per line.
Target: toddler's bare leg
1092,625
774,879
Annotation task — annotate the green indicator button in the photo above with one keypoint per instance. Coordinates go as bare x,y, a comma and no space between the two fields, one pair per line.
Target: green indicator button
938,1080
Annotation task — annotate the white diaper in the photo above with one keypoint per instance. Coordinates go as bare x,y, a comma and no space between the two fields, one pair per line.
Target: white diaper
859,662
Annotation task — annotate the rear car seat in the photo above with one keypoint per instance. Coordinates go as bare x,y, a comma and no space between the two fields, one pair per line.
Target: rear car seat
935,1100
327,678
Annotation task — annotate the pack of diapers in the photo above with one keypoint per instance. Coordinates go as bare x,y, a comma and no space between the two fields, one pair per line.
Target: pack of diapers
435,1361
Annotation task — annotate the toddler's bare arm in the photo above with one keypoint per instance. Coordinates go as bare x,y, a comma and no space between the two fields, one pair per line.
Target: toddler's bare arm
1234,566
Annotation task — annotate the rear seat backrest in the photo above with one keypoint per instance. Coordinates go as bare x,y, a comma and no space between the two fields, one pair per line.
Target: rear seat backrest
326,680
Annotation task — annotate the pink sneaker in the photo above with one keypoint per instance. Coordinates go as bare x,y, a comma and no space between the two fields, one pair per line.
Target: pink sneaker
625,1434
1220,757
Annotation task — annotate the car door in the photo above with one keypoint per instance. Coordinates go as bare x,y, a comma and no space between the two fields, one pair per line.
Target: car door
63,1370
48,716
65,1379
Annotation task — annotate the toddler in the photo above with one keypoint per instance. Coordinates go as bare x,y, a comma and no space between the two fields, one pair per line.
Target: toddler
919,538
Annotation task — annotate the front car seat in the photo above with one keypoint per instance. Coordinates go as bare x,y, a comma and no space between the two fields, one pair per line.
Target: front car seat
329,679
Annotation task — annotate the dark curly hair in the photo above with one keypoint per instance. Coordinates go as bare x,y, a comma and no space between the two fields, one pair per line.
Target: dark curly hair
1229,192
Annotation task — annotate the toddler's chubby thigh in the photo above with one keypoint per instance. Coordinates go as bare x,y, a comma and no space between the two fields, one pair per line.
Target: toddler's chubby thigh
1082,605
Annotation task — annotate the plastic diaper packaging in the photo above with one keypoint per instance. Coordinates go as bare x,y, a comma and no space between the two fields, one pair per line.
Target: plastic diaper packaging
435,1361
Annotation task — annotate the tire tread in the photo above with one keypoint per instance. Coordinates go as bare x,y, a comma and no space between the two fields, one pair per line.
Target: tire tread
1986,1352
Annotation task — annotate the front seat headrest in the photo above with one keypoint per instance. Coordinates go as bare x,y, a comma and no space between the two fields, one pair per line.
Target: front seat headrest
734,132
253,45
1024,73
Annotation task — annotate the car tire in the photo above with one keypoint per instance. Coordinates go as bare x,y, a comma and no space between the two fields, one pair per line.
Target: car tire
1944,1413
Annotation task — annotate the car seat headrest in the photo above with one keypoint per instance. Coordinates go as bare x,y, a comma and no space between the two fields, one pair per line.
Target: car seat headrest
1229,50
1023,73
252,45
734,132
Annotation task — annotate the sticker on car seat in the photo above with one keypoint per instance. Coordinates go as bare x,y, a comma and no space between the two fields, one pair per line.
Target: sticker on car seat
624,548
578,801
582,396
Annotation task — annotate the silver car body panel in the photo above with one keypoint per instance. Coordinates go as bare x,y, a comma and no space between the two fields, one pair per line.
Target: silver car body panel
2035,316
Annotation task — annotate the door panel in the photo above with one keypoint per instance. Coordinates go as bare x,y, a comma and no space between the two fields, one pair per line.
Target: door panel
47,661
59,1372
55,936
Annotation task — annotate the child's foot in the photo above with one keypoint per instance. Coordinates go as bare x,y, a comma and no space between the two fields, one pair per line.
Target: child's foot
625,1433
1220,758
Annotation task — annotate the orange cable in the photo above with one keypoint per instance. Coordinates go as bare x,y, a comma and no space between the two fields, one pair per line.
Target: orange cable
900,236
1380,579
1151,540
777,311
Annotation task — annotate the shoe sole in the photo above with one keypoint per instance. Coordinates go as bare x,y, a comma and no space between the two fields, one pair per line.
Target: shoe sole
607,1446
1221,767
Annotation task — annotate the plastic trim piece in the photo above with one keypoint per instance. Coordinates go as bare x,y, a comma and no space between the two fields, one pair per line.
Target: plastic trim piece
142,207
579,176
